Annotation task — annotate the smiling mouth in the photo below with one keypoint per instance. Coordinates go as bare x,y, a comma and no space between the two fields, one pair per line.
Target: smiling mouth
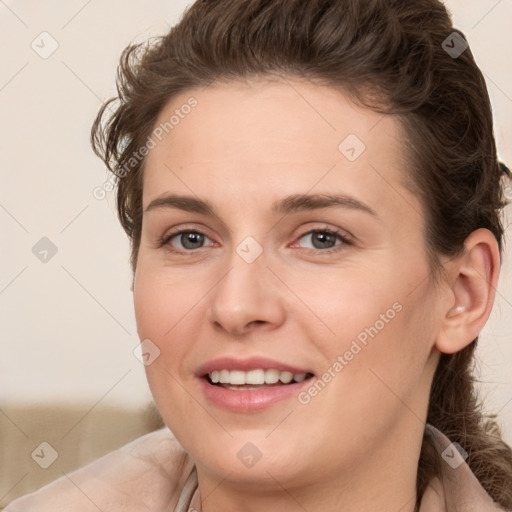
240,380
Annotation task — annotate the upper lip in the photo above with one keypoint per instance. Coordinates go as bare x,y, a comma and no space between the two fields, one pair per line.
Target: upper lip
251,363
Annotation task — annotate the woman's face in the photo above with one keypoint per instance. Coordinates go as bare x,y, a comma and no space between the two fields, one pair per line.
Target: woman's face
255,290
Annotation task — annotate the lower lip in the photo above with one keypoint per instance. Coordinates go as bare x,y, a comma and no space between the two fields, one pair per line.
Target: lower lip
251,399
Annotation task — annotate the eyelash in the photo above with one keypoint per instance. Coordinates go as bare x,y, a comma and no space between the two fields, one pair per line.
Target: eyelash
164,241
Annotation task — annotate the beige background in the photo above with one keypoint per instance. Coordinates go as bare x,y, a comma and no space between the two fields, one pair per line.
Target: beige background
68,327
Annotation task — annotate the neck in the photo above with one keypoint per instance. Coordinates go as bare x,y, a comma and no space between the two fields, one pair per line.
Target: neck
387,478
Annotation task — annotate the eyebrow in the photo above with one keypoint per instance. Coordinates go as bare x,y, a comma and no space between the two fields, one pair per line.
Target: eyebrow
286,205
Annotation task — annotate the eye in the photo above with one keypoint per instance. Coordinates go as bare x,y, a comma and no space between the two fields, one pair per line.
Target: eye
189,239
325,239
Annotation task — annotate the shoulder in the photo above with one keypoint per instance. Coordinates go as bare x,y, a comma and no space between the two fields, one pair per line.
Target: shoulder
144,475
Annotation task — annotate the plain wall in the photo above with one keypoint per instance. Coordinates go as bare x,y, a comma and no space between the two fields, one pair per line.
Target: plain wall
68,328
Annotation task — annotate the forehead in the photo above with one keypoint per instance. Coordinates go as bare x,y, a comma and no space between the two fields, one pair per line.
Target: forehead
270,135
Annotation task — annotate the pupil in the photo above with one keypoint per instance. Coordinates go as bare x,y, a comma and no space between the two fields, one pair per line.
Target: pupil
323,235
191,238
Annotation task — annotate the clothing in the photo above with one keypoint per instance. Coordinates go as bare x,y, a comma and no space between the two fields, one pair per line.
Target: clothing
457,489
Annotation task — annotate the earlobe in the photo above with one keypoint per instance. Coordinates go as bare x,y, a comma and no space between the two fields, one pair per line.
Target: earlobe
474,277
455,311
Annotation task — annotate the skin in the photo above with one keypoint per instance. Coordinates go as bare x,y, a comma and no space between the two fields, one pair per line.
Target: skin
357,442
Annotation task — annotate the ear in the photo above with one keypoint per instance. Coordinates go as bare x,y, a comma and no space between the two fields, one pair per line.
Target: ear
472,279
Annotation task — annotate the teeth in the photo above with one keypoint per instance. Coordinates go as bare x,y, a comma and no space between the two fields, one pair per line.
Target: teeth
254,377
272,376
286,377
237,377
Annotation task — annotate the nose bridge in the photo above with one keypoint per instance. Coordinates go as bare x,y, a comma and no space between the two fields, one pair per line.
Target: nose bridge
245,293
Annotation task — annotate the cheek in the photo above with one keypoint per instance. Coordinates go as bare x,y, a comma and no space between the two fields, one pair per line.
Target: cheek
161,306
371,323
162,311
170,311
354,305
161,301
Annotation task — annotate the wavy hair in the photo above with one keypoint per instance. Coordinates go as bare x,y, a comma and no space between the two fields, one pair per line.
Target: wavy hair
387,55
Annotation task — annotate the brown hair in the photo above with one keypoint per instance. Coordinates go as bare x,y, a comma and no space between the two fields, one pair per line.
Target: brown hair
389,56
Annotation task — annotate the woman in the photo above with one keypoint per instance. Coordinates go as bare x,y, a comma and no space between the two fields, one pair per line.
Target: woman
313,197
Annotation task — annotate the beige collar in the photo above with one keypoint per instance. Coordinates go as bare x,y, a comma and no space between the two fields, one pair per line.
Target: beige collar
457,489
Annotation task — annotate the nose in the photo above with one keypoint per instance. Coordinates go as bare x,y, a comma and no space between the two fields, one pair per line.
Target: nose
247,296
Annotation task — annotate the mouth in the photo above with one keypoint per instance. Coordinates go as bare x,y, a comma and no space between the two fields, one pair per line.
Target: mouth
240,380
252,384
